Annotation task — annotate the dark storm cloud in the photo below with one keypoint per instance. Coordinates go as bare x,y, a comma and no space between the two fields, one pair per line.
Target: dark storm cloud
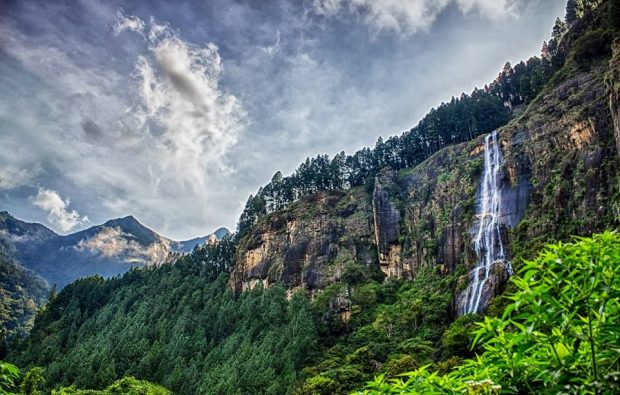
196,118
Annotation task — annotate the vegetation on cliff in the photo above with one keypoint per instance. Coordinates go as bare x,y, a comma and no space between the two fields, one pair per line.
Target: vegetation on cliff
559,332
180,326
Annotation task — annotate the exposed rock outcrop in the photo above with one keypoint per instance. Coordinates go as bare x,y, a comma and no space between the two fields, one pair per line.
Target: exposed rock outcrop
307,245
387,227
614,90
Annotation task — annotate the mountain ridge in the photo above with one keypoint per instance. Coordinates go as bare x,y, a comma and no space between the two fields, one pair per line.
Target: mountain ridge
107,249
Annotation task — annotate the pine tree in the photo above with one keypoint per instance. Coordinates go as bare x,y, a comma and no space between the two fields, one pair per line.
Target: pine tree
574,11
614,14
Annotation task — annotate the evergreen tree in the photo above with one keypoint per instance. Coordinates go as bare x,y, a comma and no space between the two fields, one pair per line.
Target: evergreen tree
574,11
614,14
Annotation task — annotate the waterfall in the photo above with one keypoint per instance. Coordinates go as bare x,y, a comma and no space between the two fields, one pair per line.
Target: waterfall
488,240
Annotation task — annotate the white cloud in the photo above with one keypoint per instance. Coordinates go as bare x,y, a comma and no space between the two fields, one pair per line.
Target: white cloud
58,210
492,9
182,102
131,23
12,177
408,17
271,50
113,242
94,111
153,142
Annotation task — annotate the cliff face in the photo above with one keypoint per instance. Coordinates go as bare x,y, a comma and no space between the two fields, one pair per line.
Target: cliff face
614,90
569,152
387,223
308,244
557,178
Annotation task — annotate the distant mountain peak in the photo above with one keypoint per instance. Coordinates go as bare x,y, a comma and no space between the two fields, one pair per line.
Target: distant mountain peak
129,220
221,232
17,227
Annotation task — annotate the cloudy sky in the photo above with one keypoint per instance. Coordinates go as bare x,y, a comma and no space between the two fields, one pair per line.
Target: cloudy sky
176,111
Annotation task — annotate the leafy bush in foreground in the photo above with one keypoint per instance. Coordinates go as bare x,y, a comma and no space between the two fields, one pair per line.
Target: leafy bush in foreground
560,334
11,380
125,386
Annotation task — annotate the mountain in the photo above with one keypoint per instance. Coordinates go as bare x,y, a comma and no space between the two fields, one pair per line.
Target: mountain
108,249
33,257
333,280
188,245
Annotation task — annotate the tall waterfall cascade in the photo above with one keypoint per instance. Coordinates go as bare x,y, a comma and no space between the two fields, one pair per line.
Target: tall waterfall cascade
488,243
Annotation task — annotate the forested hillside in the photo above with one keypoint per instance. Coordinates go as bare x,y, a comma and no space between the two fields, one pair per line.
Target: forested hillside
171,325
22,292
352,270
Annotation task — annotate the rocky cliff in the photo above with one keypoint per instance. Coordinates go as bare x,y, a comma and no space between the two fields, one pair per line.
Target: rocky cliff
308,244
614,90
558,178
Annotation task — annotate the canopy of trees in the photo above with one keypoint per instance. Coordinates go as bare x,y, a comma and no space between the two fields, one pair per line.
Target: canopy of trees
178,325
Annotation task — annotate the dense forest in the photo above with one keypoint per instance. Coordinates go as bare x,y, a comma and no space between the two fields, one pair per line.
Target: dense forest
171,324
181,325
21,291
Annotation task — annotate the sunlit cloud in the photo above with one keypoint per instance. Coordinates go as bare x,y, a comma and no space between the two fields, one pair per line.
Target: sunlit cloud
182,103
58,213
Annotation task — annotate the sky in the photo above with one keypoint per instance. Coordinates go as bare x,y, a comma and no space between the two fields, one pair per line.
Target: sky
175,112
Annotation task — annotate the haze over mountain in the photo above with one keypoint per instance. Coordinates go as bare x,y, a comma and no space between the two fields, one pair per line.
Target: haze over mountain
107,249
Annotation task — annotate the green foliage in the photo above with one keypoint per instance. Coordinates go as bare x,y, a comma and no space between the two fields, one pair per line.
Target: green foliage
591,46
319,385
22,292
560,334
125,386
9,377
399,364
457,339
395,327
354,273
33,382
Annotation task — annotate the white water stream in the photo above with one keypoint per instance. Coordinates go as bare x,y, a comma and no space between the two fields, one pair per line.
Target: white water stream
488,241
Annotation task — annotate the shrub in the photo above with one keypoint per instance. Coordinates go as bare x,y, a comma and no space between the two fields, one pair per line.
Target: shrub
456,340
319,385
9,376
591,46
